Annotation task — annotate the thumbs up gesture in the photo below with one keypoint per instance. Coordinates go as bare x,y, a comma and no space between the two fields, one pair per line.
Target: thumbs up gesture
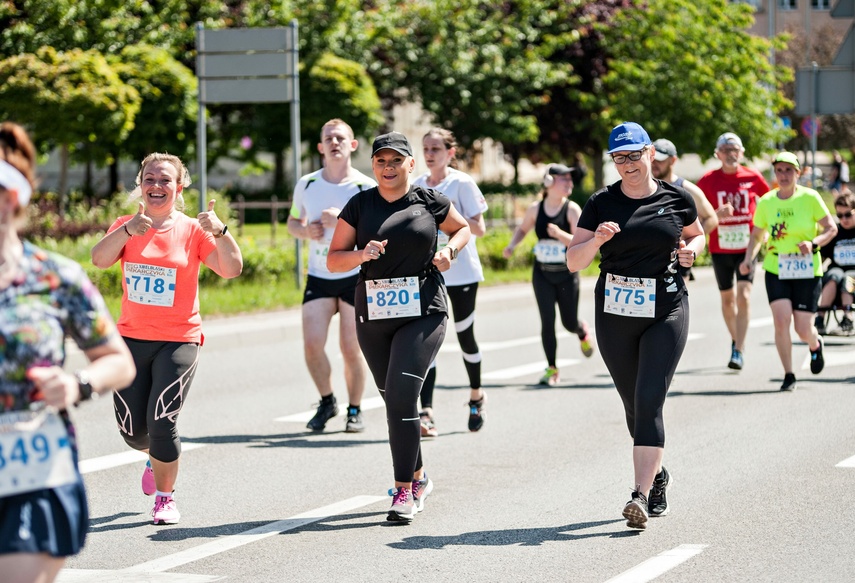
139,223
208,220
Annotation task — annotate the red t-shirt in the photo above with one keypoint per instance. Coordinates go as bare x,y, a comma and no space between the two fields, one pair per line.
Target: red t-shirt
741,189
160,280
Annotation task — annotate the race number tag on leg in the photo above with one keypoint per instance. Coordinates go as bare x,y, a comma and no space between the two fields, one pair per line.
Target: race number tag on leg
150,284
550,251
630,296
35,453
733,236
795,266
393,298
844,252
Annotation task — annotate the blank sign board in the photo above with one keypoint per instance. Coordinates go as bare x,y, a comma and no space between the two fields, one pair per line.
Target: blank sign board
245,90
835,91
244,65
241,40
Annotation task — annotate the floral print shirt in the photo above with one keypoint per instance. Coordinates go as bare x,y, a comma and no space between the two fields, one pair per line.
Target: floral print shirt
51,299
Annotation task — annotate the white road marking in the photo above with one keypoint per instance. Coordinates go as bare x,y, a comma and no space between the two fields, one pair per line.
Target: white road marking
95,576
230,542
761,322
525,369
114,460
661,563
305,416
847,463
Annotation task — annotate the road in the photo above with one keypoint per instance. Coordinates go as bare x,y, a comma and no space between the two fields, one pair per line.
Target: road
762,489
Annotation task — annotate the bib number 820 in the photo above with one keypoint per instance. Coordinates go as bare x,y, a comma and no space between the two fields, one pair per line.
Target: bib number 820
399,297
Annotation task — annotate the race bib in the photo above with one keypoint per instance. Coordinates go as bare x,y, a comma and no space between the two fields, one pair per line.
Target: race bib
630,296
733,236
844,252
550,251
150,284
442,241
795,266
35,453
318,251
393,298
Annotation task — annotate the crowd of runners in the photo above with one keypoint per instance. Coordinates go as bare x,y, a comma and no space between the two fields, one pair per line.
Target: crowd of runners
394,256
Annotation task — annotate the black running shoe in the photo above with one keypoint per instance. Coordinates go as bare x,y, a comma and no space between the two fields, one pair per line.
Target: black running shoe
326,411
354,422
635,511
819,323
657,503
789,382
476,413
817,362
736,360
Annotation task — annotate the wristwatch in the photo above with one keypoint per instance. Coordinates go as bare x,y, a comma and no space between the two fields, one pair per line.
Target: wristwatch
223,233
453,251
84,387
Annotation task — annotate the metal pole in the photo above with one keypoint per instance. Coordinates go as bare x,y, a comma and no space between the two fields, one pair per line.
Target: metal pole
201,131
814,127
295,133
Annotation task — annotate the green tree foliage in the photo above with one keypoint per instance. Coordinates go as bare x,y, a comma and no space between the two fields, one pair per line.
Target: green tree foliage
690,70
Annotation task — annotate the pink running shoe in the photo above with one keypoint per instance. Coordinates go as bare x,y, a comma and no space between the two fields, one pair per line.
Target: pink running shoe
148,486
403,506
165,511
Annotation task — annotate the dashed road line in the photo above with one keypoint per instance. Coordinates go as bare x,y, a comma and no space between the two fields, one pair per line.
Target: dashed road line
658,565
847,463
122,459
305,416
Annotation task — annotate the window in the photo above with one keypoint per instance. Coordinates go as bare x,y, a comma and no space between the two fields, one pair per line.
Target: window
757,4
788,4
820,4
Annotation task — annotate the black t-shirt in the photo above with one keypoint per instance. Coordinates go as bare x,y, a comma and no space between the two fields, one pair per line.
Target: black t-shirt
649,237
410,225
540,224
845,238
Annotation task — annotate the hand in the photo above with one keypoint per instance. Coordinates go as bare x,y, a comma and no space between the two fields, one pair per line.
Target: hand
374,250
442,260
507,252
685,256
806,247
315,230
58,388
725,210
208,220
553,230
139,223
605,232
329,217
746,267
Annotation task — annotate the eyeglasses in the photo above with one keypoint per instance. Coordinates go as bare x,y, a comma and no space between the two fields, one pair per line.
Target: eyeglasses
845,215
634,157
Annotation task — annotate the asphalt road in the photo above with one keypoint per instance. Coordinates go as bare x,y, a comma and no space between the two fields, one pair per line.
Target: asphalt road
762,489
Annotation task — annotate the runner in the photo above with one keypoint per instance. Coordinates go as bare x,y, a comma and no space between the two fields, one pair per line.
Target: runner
46,299
643,229
733,191
462,277
838,282
554,222
160,249
318,199
790,214
393,229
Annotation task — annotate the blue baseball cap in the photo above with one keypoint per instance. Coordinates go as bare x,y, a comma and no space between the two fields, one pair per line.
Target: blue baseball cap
628,137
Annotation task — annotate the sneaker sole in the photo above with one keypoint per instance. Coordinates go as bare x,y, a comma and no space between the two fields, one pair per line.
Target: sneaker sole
635,516
157,522
734,365
354,429
397,517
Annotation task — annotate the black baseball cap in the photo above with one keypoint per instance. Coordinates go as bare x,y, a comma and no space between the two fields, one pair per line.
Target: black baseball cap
392,141
559,170
664,149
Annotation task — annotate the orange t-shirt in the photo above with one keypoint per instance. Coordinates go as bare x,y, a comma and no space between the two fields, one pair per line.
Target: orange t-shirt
160,281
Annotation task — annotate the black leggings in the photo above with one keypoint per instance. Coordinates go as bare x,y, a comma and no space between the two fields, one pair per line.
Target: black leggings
148,409
642,355
398,352
463,304
561,287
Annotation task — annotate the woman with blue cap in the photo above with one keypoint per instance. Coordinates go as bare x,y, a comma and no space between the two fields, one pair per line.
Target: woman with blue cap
643,229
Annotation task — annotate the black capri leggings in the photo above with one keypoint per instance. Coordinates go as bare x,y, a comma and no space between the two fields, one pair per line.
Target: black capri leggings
398,352
148,409
561,287
642,355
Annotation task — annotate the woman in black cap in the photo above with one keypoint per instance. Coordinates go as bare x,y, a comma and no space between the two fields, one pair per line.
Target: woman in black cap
390,232
643,229
554,221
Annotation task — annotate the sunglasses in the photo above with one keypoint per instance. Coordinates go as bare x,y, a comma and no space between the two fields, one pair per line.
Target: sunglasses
634,157
847,215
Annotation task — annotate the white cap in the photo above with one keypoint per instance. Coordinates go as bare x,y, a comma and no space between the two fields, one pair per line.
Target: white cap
12,179
729,138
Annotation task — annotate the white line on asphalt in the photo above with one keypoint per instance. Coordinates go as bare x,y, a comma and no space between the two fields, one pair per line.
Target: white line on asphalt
525,369
761,322
106,462
661,563
305,416
105,576
847,463
230,542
